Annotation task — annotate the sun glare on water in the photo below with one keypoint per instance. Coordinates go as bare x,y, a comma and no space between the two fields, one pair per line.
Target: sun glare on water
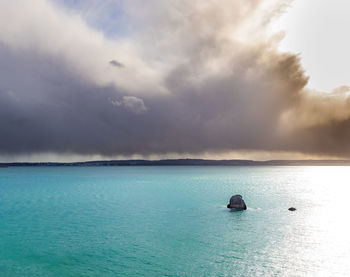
327,241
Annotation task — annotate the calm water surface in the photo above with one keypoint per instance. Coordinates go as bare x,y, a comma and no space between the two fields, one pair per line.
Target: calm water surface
173,221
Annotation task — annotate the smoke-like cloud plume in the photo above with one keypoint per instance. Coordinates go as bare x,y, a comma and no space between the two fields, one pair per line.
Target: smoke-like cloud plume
186,77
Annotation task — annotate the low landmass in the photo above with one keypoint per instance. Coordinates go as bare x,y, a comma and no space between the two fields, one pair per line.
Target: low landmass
188,162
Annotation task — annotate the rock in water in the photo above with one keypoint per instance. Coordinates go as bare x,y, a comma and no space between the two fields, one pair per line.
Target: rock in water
237,203
292,209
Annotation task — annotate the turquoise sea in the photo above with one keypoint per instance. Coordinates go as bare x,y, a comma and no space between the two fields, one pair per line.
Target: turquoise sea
173,221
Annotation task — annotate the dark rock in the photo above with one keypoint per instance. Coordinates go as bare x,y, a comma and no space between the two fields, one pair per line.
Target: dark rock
292,209
237,203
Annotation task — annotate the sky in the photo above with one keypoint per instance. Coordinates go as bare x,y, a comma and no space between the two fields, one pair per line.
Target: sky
251,79
317,30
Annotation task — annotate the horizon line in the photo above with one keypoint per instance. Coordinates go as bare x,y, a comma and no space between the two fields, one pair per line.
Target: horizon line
185,161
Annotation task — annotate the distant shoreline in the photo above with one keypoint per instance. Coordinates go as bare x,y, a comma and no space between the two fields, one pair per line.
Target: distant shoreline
186,162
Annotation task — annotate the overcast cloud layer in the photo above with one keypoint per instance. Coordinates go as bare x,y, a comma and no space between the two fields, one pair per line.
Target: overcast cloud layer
174,76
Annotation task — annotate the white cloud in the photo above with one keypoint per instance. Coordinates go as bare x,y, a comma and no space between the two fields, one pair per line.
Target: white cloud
38,26
131,103
134,104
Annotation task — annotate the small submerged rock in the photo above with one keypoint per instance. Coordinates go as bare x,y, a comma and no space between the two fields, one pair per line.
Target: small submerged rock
237,203
292,209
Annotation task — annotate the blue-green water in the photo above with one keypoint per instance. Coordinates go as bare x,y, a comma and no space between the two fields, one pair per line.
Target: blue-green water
173,221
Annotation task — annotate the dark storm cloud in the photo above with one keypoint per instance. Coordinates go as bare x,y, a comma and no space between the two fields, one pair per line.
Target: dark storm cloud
116,63
196,86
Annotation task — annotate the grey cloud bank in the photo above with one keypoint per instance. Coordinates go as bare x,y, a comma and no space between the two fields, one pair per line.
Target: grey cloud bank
195,77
